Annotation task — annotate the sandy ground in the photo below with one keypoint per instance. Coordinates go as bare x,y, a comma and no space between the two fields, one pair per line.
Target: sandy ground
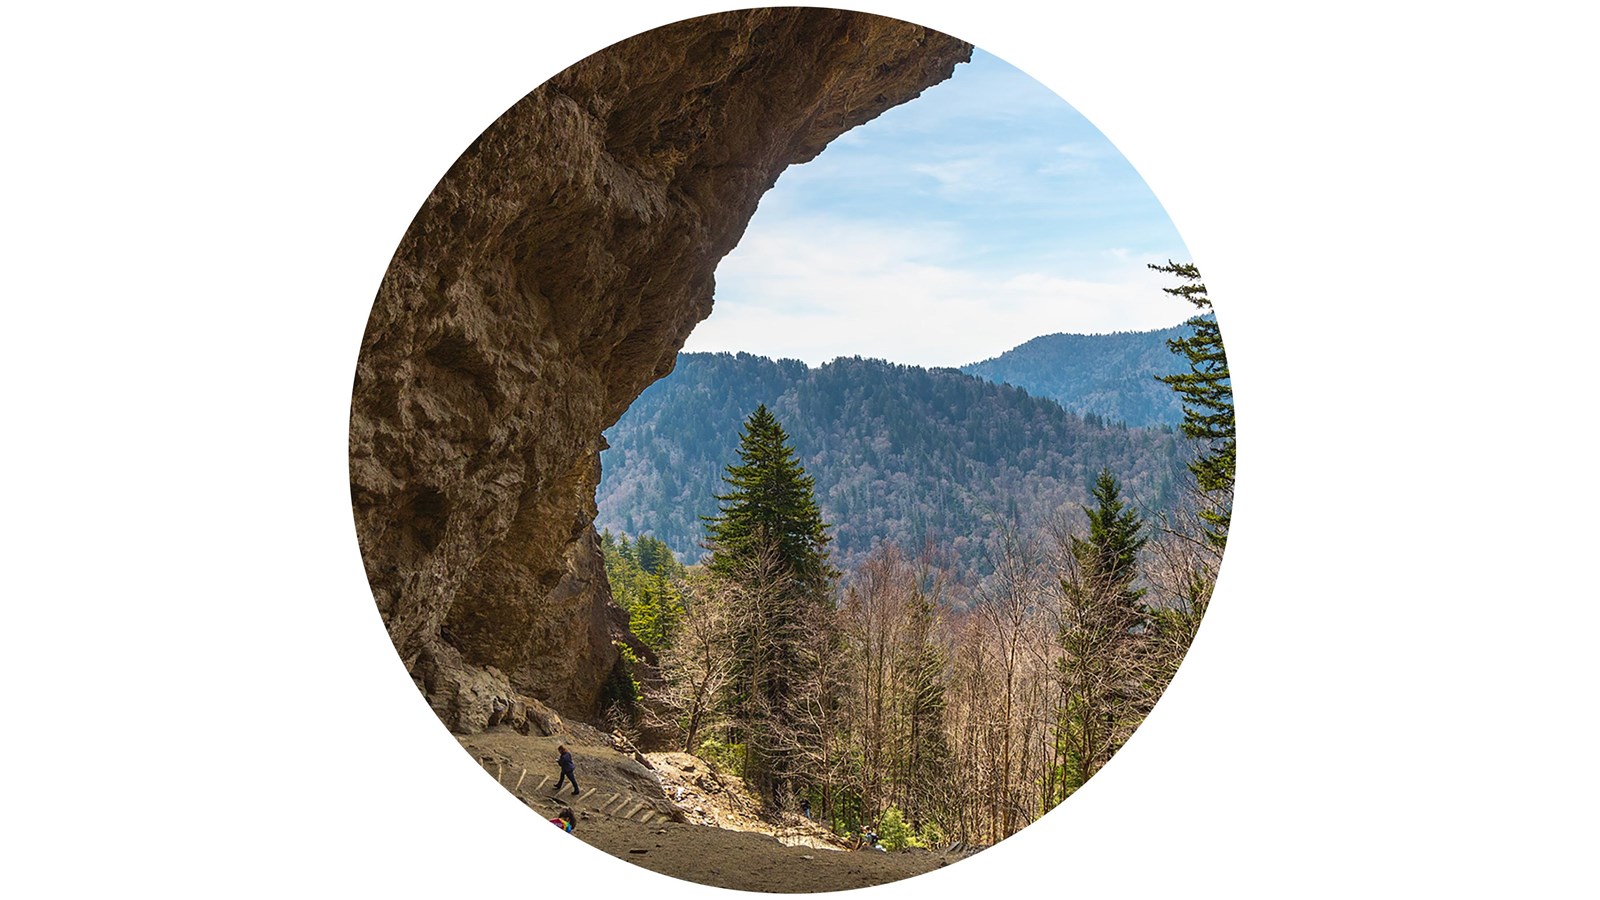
749,861
673,814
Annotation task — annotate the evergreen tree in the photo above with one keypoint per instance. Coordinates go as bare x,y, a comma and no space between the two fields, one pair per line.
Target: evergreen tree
655,557
1103,623
771,501
770,543
656,612
643,575
1109,558
1207,394
622,568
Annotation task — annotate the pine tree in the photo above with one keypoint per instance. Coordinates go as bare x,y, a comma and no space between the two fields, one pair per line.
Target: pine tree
656,611
622,568
656,558
771,501
1109,558
1207,394
1103,623
769,540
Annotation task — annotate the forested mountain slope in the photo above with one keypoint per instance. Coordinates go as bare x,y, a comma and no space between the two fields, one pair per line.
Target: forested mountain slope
1109,376
899,453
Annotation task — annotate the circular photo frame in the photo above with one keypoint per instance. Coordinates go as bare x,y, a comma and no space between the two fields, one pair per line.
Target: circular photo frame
858,575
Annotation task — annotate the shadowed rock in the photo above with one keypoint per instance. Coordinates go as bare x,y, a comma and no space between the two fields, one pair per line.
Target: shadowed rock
551,276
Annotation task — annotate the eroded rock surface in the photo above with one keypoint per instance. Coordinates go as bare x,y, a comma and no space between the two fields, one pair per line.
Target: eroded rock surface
552,275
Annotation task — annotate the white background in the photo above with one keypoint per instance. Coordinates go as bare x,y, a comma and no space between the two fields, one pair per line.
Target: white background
1392,204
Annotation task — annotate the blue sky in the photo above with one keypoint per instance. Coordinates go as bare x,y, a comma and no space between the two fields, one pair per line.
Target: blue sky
949,230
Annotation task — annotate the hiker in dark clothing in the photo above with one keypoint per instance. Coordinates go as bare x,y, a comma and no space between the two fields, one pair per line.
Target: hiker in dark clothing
566,770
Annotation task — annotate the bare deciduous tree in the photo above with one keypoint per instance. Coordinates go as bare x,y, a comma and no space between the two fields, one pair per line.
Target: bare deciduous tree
1012,606
698,665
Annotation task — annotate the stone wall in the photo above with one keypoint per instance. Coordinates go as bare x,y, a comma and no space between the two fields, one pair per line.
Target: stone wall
551,276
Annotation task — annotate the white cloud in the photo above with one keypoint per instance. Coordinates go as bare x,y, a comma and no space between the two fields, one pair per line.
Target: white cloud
819,288
1074,158
959,174
947,231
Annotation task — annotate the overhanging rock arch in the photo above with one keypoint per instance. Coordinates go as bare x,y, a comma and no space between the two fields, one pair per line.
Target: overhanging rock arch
554,273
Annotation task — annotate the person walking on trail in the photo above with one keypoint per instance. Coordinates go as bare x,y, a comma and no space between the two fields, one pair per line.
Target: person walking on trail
567,775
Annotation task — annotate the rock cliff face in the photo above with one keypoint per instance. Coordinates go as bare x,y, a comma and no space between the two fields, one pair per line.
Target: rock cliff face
553,274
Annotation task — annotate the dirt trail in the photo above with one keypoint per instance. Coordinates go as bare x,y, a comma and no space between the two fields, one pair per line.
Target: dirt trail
749,861
679,817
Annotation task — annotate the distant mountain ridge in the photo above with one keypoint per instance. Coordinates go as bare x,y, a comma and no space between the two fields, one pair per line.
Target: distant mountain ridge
898,453
1111,376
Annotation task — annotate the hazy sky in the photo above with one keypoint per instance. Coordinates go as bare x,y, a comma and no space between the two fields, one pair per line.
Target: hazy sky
949,230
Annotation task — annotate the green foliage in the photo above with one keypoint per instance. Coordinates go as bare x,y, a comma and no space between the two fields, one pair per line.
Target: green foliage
899,454
622,567
1206,391
631,566
657,610
847,812
727,757
1110,556
1065,774
1103,625
769,546
656,558
770,501
894,833
924,705
1106,378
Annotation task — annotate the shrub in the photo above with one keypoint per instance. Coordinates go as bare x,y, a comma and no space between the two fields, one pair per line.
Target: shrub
727,758
893,832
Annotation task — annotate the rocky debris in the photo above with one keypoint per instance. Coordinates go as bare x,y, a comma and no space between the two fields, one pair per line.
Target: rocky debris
552,275
476,699
707,797
621,743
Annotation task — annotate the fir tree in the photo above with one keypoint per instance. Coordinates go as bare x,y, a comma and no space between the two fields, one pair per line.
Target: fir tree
1207,394
1102,626
655,557
1109,558
771,501
771,543
656,611
622,568
631,567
